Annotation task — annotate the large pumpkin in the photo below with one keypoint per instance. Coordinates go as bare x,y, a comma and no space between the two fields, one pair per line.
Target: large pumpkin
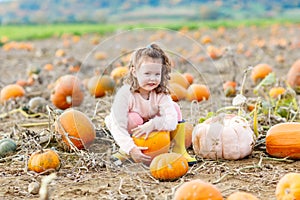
224,136
169,166
43,160
283,140
288,187
241,196
197,190
68,92
158,142
78,127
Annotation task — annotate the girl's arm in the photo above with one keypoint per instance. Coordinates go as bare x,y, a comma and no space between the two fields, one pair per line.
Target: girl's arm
117,121
168,119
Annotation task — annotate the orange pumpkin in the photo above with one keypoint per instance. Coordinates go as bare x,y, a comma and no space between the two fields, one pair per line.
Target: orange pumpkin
67,92
176,77
169,166
98,86
276,92
119,73
198,92
260,71
241,196
293,77
177,92
11,91
60,53
189,77
81,131
43,160
158,142
206,39
288,187
197,190
229,88
283,140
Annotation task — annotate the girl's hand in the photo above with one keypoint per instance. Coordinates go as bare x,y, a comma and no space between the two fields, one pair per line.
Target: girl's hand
145,128
137,155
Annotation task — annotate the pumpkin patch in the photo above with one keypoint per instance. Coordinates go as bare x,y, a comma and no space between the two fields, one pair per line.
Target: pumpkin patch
242,133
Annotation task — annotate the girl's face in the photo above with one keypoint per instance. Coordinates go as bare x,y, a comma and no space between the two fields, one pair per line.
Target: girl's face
148,74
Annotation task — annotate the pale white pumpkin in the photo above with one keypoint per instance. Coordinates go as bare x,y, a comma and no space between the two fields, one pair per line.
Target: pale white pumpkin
225,136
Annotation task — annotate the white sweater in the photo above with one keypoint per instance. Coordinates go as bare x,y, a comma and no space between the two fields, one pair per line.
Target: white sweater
159,108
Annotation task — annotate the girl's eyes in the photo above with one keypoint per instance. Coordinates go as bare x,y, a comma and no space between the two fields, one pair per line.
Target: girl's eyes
148,74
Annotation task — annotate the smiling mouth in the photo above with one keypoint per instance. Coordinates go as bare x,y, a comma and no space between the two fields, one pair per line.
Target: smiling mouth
151,84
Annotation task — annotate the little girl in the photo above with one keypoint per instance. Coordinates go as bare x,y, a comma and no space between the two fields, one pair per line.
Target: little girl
143,105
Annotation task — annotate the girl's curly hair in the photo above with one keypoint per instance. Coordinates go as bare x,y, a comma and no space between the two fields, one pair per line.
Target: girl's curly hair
155,52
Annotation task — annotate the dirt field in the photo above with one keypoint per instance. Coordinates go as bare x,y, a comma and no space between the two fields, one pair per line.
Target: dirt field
90,175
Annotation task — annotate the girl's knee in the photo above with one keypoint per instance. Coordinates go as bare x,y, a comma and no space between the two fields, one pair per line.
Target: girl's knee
134,120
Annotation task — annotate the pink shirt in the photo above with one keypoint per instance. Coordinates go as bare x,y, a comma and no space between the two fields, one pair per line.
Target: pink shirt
159,108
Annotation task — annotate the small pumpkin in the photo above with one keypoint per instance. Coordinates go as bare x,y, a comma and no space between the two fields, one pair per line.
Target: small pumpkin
177,92
67,92
283,140
206,39
229,88
7,146
260,71
11,91
158,142
288,187
293,78
225,136
43,160
241,196
78,126
198,92
197,190
98,86
169,166
276,92
176,77
189,77
118,73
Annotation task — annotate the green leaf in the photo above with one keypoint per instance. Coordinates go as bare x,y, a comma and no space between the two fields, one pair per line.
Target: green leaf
267,81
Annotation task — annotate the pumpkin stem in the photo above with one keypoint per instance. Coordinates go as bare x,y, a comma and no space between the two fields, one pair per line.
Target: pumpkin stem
69,99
